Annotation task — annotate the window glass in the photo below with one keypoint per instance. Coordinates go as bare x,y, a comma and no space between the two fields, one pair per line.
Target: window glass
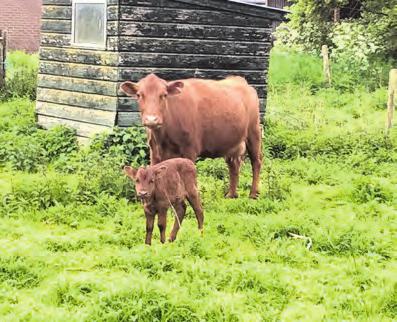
89,24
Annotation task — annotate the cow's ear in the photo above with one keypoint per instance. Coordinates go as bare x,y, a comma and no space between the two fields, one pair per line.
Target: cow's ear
160,171
129,88
130,172
175,87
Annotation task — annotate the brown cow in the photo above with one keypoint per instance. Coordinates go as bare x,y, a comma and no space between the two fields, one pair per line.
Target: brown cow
166,185
196,117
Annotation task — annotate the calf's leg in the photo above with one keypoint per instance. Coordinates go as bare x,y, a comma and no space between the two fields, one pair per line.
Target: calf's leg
194,200
180,209
162,224
149,227
255,155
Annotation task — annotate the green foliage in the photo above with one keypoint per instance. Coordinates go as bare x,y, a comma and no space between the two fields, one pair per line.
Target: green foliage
72,232
21,76
362,47
129,143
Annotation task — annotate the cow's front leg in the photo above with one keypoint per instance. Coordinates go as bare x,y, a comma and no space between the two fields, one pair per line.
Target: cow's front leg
149,227
162,224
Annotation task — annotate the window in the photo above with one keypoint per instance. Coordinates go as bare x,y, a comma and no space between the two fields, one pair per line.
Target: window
89,23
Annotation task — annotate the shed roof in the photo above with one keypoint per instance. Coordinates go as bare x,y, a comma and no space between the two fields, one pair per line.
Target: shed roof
248,7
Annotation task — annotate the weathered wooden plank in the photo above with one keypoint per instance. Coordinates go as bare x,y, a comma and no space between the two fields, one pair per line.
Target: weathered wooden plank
55,40
83,129
202,17
188,46
57,2
79,70
193,61
73,113
65,12
65,26
125,119
180,30
56,12
127,104
82,85
134,74
241,8
80,56
56,26
159,3
101,102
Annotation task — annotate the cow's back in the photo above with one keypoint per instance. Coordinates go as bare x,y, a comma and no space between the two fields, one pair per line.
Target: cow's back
223,112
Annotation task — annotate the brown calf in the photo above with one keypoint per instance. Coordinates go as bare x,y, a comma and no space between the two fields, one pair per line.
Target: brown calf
200,117
164,185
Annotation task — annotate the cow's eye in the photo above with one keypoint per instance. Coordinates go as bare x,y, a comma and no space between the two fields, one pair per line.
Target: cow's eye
151,180
137,180
163,96
138,95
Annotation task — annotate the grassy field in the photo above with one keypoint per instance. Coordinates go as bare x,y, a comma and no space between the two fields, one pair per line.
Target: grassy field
71,234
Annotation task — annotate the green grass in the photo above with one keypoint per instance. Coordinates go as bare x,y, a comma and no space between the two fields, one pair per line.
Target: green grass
72,235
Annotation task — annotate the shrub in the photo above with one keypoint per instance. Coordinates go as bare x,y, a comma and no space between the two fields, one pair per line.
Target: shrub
58,140
21,77
129,143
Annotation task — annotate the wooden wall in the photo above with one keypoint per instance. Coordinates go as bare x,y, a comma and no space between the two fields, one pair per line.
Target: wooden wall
182,39
173,38
76,87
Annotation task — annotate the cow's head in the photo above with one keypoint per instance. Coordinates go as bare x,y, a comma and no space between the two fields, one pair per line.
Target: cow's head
152,93
145,179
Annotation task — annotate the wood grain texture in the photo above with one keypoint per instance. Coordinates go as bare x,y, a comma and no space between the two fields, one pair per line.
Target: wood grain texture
202,17
135,74
126,119
192,61
82,129
188,46
79,70
105,118
81,85
79,56
101,102
189,31
55,39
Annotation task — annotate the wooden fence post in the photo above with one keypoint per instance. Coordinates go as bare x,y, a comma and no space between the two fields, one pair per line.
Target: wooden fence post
3,51
326,64
390,100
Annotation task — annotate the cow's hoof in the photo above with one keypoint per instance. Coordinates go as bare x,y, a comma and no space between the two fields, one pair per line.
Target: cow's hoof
202,232
230,195
254,195
171,239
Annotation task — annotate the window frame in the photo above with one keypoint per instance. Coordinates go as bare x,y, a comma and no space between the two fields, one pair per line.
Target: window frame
89,45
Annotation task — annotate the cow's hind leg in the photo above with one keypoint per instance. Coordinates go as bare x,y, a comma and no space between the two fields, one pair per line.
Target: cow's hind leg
255,155
234,164
180,209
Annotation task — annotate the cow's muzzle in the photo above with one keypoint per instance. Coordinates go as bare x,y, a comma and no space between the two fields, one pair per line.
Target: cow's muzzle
152,122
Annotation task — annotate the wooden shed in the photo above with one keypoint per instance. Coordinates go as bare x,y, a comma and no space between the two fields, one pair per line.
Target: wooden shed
88,47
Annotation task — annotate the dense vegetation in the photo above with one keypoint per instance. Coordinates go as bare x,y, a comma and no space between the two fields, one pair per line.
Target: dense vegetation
71,234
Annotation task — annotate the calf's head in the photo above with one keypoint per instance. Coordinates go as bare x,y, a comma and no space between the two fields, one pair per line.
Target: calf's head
152,94
145,179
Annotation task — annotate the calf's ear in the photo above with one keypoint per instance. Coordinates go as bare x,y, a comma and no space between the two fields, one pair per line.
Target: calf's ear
174,88
130,172
129,88
160,171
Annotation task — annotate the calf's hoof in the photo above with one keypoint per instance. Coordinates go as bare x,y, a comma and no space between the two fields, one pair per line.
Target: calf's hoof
171,239
254,194
201,232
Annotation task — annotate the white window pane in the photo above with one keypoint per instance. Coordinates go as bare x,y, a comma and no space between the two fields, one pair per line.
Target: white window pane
89,23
